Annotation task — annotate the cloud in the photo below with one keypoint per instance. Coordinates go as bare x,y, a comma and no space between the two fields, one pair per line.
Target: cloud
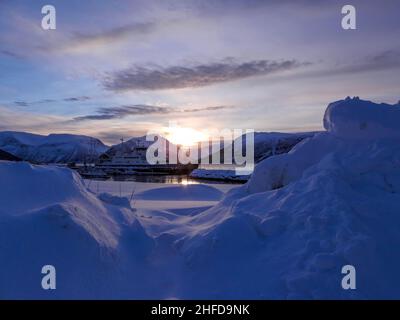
175,77
114,34
207,109
21,103
28,121
76,99
383,60
108,113
87,42
10,54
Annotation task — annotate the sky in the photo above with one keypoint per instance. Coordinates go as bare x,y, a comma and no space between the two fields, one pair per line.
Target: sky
115,69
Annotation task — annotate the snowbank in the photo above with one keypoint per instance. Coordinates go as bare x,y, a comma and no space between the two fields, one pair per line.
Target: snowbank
47,216
359,119
330,202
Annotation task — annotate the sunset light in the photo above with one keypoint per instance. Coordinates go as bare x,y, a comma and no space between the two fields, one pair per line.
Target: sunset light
184,136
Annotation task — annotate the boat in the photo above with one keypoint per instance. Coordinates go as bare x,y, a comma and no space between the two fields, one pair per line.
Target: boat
132,161
92,173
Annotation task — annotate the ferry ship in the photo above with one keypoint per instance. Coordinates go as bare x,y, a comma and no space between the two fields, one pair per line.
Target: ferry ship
132,161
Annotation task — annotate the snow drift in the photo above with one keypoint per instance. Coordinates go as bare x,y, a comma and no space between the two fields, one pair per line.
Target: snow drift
47,216
333,200
358,119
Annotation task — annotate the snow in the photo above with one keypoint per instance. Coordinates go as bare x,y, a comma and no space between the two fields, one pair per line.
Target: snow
333,200
8,156
358,119
129,144
49,217
218,174
189,192
54,148
23,137
57,191
266,144
329,202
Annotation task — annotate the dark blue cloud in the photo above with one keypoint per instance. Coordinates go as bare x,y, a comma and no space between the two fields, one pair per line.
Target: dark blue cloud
175,77
107,113
21,103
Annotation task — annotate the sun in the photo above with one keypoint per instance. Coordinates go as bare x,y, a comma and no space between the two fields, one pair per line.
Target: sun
184,136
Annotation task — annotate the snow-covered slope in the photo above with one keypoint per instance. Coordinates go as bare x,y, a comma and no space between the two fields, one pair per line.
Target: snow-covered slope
54,148
47,216
362,119
8,156
267,144
333,200
128,145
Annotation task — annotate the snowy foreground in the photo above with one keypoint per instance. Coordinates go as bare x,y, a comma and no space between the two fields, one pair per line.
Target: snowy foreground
333,200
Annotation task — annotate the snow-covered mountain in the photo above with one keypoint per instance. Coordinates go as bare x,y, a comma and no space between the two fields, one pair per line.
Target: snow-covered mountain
54,148
128,145
8,156
267,144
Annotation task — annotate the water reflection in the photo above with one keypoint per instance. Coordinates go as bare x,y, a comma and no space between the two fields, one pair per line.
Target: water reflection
170,179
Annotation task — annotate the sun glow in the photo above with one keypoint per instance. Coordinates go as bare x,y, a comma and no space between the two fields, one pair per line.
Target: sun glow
184,136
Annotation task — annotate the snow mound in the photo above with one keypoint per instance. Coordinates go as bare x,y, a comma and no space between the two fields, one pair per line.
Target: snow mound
330,202
115,200
359,119
47,216
190,192
51,190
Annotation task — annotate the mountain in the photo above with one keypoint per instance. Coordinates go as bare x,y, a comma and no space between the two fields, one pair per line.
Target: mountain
132,143
267,144
54,148
8,156
128,145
